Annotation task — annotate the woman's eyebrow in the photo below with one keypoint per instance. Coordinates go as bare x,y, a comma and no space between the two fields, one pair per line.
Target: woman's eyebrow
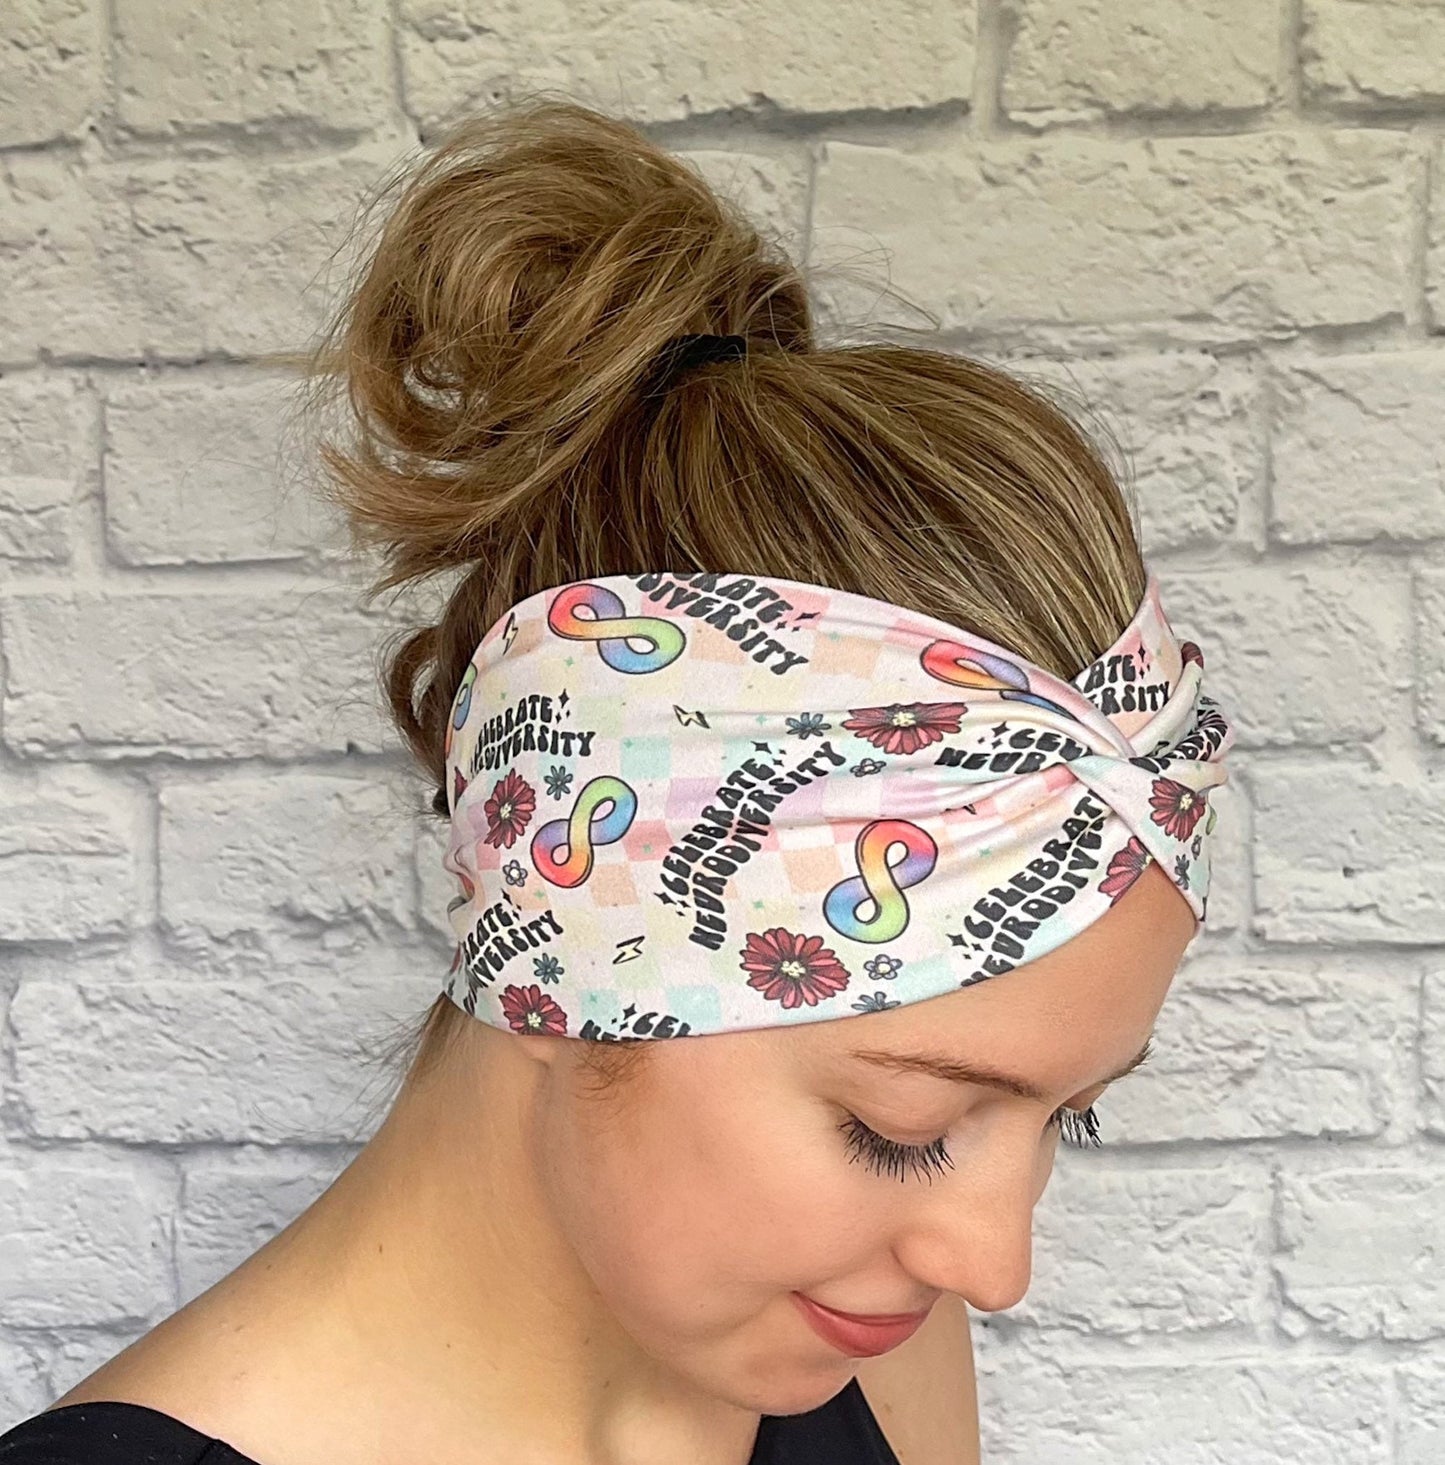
954,1071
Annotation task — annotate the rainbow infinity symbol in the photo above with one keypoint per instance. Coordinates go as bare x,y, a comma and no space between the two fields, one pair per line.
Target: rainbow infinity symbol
968,666
581,833
611,628
879,881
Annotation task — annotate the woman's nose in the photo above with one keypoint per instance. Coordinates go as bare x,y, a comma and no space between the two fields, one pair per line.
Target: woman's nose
975,1239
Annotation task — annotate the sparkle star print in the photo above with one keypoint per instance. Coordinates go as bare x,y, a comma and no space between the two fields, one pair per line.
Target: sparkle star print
697,803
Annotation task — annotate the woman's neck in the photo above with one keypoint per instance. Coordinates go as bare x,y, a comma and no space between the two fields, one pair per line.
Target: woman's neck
426,1305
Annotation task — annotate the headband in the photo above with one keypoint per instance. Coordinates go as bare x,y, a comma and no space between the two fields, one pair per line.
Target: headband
697,803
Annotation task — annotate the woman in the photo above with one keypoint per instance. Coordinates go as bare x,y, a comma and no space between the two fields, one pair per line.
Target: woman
777,685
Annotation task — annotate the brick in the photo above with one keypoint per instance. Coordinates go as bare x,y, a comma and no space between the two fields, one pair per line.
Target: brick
181,66
48,455
1432,1053
1435,236
51,69
233,1204
23,1387
246,1054
1160,1251
78,962
1430,651
770,188
1365,53
1422,1412
1038,1407
1342,853
1073,60
67,838
668,59
1218,236
1298,654
195,473
1250,1048
35,519
270,672
1190,427
175,257
1356,449
243,853
81,1241
1360,1253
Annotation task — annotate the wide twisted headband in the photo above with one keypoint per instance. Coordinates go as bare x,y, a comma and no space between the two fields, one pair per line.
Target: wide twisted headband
697,803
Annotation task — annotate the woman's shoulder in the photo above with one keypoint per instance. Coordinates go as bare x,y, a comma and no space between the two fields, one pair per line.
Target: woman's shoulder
112,1432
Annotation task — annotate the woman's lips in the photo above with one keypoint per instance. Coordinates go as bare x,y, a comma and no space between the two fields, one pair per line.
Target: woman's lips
859,1337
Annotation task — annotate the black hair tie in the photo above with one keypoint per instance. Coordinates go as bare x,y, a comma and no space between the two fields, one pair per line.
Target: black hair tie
682,353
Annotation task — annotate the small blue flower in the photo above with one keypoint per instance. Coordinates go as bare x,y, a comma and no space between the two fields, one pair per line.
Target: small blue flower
1195,845
808,724
865,766
1181,870
514,873
882,968
559,780
546,968
873,1002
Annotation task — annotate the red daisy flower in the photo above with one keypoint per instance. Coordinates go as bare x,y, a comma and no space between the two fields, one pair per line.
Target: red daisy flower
1176,806
530,1010
1124,869
905,727
509,809
793,970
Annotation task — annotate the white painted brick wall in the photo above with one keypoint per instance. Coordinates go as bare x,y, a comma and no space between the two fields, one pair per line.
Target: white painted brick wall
1220,225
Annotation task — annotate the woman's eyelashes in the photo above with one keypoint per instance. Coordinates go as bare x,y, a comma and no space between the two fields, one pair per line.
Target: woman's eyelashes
888,1157
1079,1128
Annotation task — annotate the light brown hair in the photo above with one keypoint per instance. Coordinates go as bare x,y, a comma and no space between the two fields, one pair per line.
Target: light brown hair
494,355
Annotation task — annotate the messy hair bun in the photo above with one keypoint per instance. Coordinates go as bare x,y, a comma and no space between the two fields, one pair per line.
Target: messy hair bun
495,354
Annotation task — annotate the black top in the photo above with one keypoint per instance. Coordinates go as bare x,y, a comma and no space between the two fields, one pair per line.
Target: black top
841,1431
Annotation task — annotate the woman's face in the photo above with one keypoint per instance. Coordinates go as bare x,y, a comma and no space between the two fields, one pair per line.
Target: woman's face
730,1171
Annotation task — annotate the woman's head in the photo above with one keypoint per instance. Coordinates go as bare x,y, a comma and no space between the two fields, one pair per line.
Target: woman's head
497,355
